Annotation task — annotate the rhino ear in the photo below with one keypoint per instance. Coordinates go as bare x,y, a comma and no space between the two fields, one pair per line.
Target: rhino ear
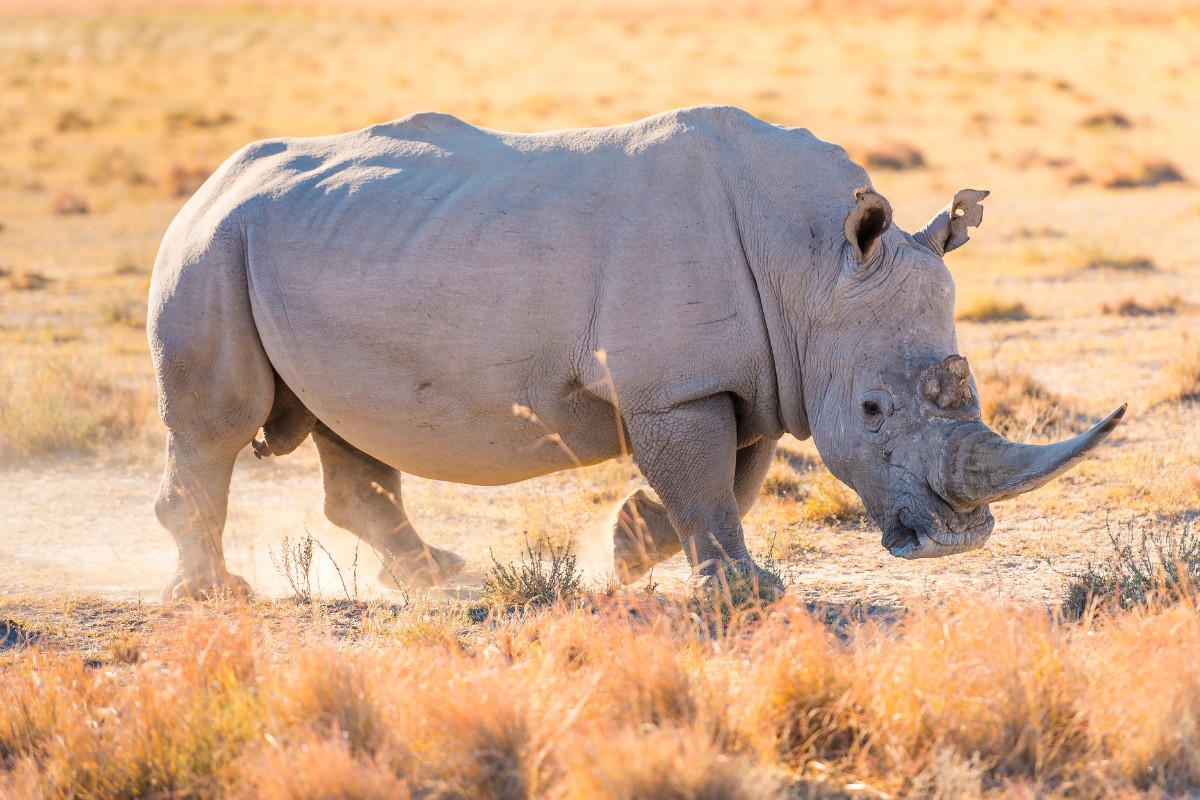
867,221
948,229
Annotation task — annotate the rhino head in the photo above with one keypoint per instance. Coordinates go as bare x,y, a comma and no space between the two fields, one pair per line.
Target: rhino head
892,406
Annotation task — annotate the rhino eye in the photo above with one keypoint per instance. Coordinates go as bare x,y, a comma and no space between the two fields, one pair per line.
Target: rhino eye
875,407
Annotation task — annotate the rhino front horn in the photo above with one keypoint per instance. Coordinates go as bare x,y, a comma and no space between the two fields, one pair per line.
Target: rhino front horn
979,466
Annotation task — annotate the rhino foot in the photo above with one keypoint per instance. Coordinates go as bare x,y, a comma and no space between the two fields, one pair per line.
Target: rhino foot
226,586
422,569
642,537
738,581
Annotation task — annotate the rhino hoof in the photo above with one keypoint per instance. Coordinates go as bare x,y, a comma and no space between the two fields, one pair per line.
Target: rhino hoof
630,563
424,569
225,587
740,581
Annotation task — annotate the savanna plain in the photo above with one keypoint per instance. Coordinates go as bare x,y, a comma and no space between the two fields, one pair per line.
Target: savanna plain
991,674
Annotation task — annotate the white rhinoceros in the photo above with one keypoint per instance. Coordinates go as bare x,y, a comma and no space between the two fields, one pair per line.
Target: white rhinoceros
463,304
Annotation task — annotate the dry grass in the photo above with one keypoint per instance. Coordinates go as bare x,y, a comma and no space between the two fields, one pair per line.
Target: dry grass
59,405
1106,120
1181,382
813,494
1142,174
1132,307
1104,259
611,701
992,309
892,155
28,281
1018,407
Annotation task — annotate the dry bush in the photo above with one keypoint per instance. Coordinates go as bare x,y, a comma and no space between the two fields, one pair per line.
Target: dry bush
189,118
1146,173
183,178
893,155
993,309
1118,262
28,281
1018,407
1132,307
531,583
71,120
55,405
116,164
1105,120
67,202
670,763
1149,564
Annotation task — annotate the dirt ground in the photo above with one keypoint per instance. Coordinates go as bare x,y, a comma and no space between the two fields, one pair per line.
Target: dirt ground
108,120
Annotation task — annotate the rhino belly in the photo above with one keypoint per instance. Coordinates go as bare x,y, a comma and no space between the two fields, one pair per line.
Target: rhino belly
445,390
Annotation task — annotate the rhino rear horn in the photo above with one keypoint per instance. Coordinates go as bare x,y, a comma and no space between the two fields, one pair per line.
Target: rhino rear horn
867,221
948,230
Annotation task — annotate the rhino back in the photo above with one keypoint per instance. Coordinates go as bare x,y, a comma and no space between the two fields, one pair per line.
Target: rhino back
412,281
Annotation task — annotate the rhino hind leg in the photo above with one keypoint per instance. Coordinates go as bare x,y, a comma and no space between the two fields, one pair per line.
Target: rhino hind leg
287,426
362,495
642,537
215,392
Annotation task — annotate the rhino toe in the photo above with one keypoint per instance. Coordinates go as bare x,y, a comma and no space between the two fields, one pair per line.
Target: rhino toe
223,587
425,569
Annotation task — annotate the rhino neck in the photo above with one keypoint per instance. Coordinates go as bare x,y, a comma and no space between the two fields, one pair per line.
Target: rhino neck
784,336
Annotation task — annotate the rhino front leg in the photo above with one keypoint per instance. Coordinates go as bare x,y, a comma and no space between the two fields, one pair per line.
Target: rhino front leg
689,456
643,536
362,495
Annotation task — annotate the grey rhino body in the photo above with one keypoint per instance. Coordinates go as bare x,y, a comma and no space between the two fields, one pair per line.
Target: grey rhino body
468,305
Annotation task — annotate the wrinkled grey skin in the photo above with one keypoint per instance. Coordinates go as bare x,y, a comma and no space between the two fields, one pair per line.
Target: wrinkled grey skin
482,307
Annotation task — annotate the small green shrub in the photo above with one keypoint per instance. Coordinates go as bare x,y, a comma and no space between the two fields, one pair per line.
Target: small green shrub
1148,565
531,583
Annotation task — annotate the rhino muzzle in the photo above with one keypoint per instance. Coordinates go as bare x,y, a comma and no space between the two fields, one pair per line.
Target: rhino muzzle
936,530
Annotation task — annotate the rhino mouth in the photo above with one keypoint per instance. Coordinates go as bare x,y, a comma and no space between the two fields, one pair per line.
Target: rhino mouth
937,532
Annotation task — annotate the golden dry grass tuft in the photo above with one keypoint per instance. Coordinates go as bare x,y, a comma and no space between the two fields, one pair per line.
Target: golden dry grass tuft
1104,259
28,281
1181,381
1133,307
625,699
1106,120
1142,174
815,495
892,155
992,309
1018,407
